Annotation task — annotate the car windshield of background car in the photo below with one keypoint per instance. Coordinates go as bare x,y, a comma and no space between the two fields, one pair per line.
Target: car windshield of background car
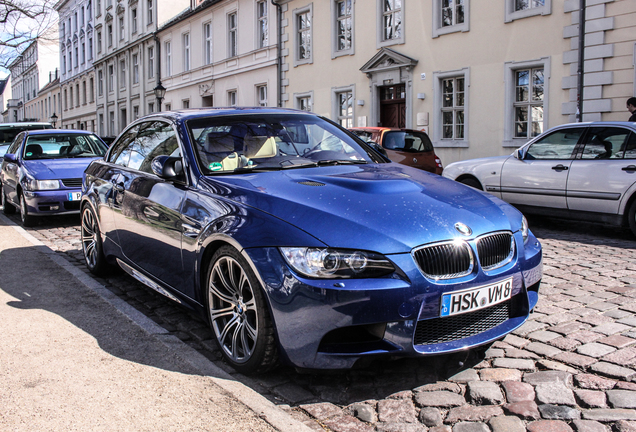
58,146
558,145
273,142
7,135
408,141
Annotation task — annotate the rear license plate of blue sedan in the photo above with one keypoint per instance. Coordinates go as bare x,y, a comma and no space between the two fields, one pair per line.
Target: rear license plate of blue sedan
476,298
74,196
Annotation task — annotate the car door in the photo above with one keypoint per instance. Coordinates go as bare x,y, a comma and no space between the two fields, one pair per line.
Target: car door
539,176
605,171
11,170
149,224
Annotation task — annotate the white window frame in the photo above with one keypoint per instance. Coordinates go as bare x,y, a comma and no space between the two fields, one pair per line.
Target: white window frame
306,95
335,19
436,132
151,62
122,74
381,41
168,53
309,10
109,31
439,29
99,42
509,82
185,103
122,28
262,24
111,78
185,39
232,98
335,104
150,8
100,83
232,34
133,18
135,62
511,14
261,95
207,43
90,48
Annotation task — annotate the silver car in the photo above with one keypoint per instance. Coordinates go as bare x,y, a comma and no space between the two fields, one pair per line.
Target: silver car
584,171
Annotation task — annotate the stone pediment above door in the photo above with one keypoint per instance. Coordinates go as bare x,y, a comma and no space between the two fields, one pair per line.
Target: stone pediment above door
387,59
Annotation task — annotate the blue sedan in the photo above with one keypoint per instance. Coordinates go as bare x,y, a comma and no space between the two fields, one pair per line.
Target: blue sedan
42,172
301,244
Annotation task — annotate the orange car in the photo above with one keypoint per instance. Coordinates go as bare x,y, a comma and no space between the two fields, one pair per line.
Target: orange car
406,146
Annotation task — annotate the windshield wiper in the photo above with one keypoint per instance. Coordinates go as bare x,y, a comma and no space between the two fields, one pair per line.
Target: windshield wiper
340,162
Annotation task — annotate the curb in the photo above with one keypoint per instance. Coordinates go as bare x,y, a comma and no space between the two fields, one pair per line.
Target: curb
263,408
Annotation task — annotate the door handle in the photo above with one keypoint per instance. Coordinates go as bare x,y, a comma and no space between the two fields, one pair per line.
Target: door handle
560,167
629,168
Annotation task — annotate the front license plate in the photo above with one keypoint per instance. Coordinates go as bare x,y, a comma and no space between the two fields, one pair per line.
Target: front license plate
476,298
74,196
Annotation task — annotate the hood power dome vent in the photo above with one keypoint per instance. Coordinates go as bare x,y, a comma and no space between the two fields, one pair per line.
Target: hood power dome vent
311,183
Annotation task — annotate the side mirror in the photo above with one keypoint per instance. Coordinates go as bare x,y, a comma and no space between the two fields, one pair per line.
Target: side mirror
167,167
10,157
519,153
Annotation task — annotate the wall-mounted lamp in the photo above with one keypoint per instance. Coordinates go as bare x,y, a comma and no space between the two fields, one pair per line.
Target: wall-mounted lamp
421,96
360,102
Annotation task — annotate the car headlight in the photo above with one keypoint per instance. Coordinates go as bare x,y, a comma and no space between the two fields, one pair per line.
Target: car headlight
524,229
336,263
33,184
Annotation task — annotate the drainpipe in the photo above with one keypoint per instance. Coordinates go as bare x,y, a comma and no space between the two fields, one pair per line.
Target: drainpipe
580,70
279,49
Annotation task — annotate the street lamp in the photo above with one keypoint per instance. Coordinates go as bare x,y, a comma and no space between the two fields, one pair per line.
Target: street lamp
160,92
53,120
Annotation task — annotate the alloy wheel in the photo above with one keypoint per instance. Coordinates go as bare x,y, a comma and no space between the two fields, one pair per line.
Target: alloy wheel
89,236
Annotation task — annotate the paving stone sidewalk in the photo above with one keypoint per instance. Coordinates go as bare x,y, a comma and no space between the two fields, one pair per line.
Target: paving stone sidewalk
571,367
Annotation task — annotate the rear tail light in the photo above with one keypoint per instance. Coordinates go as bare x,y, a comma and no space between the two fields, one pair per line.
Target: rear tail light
438,161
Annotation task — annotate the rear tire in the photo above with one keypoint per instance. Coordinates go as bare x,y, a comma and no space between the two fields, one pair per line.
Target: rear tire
7,208
27,220
631,217
472,182
238,313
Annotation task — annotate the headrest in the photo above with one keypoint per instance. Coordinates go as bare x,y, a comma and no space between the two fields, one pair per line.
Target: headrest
260,147
33,150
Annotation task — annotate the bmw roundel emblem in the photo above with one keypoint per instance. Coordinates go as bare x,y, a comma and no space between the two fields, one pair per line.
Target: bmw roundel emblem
463,229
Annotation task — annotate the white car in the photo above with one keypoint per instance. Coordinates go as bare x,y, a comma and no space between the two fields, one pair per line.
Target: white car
584,171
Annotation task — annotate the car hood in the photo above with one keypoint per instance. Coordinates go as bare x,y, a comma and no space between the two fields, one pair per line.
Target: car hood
47,169
388,208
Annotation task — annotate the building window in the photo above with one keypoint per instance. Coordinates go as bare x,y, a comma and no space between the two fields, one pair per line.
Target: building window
122,74
303,101
526,100
76,57
231,98
89,11
391,25
343,25
263,30
168,107
98,7
232,24
133,18
207,43
302,24
518,9
151,107
186,52
450,16
100,83
150,12
83,92
90,49
261,94
151,62
121,28
112,123
344,107
168,50
82,52
135,112
186,103
110,35
70,93
70,59
111,78
450,124
91,90
64,62
65,100
99,42
101,124
63,31
135,61
82,17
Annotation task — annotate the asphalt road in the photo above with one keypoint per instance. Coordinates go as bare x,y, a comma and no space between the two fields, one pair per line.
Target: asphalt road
571,367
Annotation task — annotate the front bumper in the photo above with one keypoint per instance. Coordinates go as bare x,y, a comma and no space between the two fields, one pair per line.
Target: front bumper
51,202
330,324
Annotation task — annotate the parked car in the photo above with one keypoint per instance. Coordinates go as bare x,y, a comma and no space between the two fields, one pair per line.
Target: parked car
42,172
8,132
582,171
406,146
299,243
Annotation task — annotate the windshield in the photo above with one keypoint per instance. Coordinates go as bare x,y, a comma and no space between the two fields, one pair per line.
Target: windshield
273,141
59,146
8,134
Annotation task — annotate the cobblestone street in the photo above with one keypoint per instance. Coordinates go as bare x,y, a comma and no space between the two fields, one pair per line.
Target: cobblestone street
571,367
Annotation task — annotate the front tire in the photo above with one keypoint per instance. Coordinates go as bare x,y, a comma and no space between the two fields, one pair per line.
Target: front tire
92,243
238,313
27,220
472,182
631,217
7,208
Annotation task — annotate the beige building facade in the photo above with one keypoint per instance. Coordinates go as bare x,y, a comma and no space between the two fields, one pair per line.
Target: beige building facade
220,53
479,80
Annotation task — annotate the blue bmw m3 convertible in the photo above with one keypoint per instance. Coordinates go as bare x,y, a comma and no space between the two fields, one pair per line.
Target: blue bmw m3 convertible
301,244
